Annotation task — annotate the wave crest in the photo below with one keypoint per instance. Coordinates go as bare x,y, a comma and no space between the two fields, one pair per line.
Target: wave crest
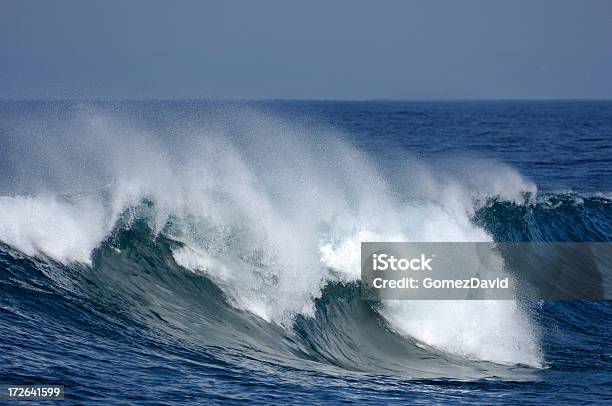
270,211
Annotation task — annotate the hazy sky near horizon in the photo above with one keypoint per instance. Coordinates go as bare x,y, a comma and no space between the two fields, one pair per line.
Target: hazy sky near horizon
329,49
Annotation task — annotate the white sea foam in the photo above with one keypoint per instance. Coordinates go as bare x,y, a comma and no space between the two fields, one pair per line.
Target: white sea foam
271,212
65,231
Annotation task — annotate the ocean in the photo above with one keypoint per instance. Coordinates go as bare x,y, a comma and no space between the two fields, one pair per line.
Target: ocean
163,252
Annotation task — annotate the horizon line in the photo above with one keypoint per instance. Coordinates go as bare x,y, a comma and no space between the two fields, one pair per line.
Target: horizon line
332,100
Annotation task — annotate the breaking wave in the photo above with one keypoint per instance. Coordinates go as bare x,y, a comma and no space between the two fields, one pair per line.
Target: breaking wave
243,233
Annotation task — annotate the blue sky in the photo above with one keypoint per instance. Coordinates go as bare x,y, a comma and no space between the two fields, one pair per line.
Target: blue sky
430,49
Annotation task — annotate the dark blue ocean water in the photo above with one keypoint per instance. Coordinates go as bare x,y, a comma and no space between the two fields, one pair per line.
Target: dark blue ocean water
195,252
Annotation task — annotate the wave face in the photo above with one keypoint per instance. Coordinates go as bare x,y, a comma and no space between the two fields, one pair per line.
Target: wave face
213,250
